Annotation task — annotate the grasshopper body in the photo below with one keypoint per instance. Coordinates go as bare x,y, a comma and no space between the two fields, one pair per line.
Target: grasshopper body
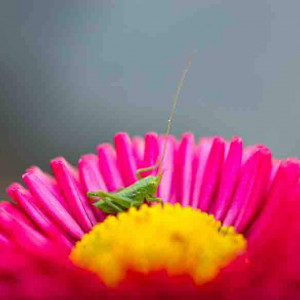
145,189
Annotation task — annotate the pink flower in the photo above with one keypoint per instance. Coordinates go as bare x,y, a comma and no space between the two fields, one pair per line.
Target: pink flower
242,188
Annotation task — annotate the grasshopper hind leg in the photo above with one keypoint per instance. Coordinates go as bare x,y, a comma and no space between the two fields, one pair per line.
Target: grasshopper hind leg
108,206
105,204
113,200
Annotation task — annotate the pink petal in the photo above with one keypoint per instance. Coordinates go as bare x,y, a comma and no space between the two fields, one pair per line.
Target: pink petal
90,174
20,230
51,205
167,187
275,166
50,183
108,167
138,146
45,275
270,250
15,211
227,146
125,158
284,183
184,168
256,198
4,240
199,165
244,188
293,242
77,201
25,200
212,172
229,178
91,177
151,153
249,151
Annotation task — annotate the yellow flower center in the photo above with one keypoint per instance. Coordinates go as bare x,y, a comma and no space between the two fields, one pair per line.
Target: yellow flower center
180,240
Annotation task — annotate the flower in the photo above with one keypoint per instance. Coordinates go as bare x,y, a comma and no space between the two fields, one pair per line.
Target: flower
242,188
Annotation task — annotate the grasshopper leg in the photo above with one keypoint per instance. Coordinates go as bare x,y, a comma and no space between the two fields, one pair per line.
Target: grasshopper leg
142,170
108,207
122,201
155,199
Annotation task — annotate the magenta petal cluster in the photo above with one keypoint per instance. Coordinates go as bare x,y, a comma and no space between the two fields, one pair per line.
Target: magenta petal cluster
243,187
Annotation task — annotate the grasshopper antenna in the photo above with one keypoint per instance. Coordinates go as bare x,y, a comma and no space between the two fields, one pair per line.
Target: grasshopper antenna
173,110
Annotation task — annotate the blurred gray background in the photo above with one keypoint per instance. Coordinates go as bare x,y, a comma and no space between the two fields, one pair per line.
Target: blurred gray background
73,73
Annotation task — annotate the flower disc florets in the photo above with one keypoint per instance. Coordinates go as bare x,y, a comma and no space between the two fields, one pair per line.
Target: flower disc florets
180,240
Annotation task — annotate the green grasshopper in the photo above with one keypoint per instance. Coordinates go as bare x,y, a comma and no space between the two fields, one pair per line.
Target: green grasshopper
145,189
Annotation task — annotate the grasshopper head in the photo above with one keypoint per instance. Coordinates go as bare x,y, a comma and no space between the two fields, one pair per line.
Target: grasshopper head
152,183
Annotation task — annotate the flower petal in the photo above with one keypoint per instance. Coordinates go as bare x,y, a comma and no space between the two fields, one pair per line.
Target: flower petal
208,169
184,168
243,190
108,167
138,146
26,201
91,177
151,152
125,158
49,182
20,230
202,154
51,206
212,172
77,201
229,178
167,187
252,205
4,240
47,275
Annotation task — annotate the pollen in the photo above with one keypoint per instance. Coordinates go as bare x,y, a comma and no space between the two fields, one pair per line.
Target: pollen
180,240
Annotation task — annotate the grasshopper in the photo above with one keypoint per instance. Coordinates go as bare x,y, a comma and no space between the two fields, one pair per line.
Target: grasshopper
144,189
